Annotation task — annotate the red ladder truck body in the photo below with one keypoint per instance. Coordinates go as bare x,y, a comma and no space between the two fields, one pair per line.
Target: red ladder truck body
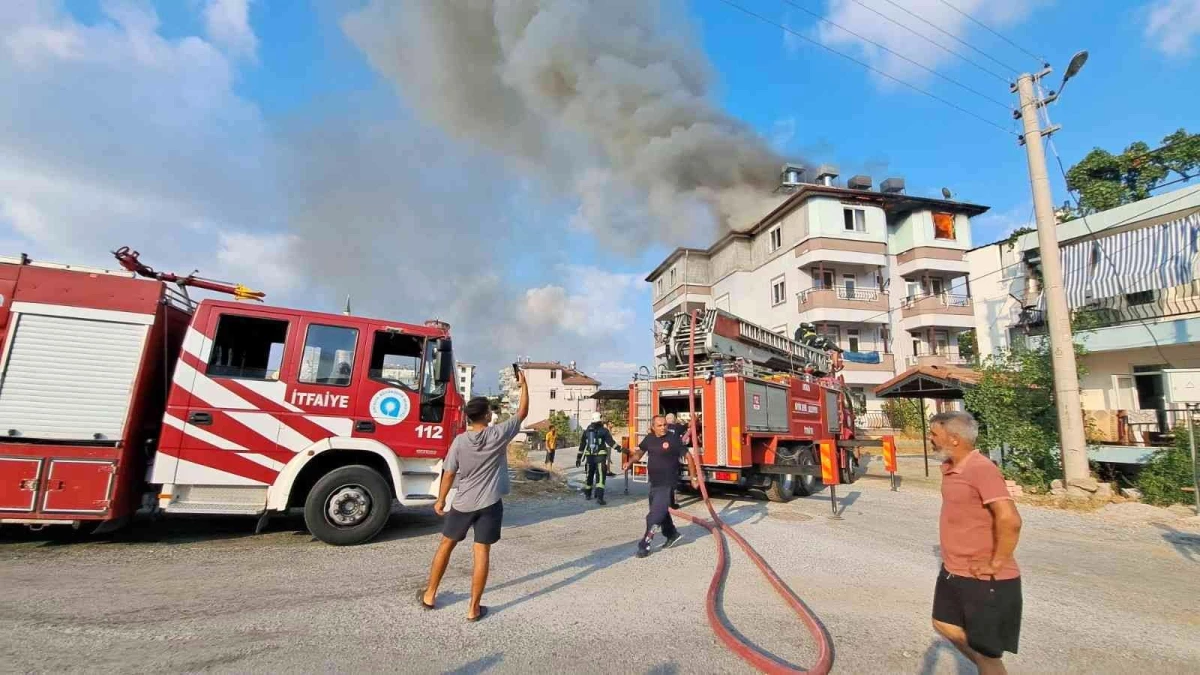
118,392
765,403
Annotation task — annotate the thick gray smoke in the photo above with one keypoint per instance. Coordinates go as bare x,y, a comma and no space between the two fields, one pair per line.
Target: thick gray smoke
609,101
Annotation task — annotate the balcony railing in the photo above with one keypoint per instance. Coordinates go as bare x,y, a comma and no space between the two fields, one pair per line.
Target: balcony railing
941,303
843,298
846,293
945,357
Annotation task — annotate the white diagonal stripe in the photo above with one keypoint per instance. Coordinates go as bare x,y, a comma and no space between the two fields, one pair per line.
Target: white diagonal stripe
200,434
263,460
210,392
273,391
338,426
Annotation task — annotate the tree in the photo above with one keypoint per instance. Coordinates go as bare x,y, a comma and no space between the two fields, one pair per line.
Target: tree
561,423
1161,482
968,347
1104,180
1014,402
903,414
616,413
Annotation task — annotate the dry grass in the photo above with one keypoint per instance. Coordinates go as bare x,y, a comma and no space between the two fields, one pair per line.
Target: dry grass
518,460
1067,504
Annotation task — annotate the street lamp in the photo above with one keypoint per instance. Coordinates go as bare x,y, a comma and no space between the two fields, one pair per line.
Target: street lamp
1073,69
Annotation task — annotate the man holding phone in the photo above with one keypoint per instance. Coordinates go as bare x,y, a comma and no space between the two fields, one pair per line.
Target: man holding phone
478,461
663,451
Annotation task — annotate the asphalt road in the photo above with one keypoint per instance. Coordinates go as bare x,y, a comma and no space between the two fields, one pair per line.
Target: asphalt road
568,596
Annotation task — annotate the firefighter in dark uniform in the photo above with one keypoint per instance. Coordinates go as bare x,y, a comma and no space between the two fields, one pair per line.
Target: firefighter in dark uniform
594,447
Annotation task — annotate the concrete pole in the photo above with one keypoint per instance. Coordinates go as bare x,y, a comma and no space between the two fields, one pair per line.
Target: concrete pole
1058,319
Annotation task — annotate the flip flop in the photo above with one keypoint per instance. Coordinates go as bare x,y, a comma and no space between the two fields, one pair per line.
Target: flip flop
483,610
421,600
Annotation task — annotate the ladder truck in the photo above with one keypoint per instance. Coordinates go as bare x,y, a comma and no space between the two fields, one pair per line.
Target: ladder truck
119,392
765,405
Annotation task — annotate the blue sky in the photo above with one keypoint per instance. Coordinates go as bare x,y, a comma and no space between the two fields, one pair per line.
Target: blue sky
265,141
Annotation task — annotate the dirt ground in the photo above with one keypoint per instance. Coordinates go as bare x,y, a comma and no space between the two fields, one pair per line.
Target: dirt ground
1103,594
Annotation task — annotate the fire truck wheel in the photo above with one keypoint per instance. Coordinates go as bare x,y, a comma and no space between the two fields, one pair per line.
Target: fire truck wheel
807,485
348,506
783,486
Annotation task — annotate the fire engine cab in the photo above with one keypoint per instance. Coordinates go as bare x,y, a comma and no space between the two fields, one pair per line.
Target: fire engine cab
118,391
765,405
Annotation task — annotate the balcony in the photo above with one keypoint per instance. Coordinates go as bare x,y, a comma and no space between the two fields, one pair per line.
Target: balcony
944,310
942,261
942,357
843,304
886,363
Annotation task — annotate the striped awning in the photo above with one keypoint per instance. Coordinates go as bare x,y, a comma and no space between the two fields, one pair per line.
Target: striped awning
1146,259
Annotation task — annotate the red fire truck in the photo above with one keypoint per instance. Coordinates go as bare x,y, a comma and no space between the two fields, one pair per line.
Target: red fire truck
117,391
764,402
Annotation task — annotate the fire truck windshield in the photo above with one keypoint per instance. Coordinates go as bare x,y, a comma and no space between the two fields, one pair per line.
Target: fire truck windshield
439,373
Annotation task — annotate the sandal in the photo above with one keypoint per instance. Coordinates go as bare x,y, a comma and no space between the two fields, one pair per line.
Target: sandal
482,613
421,600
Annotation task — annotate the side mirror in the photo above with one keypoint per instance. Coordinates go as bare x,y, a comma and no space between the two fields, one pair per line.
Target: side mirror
445,361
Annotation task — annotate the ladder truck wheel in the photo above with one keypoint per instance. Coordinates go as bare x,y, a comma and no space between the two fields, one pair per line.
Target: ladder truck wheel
807,484
348,506
783,487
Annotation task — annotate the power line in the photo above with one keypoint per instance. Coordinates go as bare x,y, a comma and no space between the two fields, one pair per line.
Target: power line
867,66
950,35
993,31
931,40
897,54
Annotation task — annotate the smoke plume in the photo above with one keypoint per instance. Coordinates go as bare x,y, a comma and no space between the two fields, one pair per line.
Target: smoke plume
607,101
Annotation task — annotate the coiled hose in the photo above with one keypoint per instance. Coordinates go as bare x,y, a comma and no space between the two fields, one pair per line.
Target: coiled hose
719,529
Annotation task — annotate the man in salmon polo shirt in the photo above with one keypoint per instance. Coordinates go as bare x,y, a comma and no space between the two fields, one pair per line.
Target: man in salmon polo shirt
977,600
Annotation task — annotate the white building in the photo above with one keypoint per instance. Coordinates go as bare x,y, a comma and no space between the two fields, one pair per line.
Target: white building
553,387
466,379
881,273
1131,272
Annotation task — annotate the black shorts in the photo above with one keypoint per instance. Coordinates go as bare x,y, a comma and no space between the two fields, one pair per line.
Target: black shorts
486,522
549,456
989,611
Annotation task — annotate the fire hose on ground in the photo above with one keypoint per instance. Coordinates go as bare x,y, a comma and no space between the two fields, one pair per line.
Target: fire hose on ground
748,652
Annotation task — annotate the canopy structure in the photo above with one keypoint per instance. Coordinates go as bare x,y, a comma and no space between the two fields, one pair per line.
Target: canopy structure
611,395
945,383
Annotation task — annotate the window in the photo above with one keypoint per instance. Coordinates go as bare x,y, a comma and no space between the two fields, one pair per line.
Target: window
778,291
248,347
848,282
1139,298
827,279
776,239
886,338
941,342
553,394
658,286
852,339
855,220
936,286
914,290
328,356
554,374
671,274
943,226
833,333
396,359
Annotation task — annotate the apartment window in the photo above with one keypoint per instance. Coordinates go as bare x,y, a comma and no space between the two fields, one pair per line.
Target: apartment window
833,333
886,338
914,290
936,286
671,274
826,279
554,374
1139,298
943,226
776,239
941,342
852,343
848,282
659,286
855,220
778,291
553,394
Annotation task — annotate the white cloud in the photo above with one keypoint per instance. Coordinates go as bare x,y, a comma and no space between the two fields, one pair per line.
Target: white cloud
1172,26
870,25
261,261
997,225
589,302
228,24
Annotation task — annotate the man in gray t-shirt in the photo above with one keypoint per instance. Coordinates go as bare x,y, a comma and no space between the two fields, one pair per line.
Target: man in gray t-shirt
478,461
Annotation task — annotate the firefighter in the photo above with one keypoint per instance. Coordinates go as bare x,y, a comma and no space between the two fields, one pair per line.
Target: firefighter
663,452
594,447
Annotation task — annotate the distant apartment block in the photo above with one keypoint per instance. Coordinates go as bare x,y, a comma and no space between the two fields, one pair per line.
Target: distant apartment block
880,272
553,387
465,375
1130,276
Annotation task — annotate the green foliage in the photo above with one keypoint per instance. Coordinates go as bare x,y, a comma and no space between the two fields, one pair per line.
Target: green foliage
968,347
561,422
1011,242
1169,471
1014,402
616,413
1104,180
903,414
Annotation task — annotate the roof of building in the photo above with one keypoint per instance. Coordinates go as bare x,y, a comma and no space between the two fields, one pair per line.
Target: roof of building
611,395
930,381
890,203
579,379
571,376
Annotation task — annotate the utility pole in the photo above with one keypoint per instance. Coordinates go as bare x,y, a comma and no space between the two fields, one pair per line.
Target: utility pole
1078,478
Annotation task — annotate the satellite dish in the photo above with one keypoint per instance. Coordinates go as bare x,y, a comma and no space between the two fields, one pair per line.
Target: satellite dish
946,193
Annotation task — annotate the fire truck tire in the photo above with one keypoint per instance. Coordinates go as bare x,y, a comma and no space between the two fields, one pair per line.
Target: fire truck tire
348,506
783,487
807,485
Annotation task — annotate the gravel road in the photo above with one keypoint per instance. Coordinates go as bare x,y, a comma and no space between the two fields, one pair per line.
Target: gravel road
568,596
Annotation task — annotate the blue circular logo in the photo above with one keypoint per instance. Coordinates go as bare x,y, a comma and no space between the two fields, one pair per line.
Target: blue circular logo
390,406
